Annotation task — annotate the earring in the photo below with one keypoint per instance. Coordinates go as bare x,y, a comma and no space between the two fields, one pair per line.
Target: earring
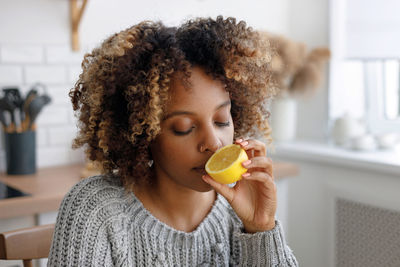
150,163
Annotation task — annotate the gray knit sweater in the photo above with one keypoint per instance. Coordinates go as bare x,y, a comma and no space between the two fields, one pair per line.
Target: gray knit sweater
99,224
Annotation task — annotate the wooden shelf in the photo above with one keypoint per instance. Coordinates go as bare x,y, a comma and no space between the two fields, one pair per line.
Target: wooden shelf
76,13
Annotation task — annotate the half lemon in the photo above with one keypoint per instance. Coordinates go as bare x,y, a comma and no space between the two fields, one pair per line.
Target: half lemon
225,165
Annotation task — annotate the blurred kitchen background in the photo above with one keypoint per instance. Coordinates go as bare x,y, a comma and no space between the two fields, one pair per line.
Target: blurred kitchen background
340,126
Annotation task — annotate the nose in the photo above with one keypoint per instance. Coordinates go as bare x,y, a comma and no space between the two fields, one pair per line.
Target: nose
210,141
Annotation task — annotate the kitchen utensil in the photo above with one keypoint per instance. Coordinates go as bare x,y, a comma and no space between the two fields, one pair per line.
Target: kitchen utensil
35,106
22,111
8,105
13,95
32,93
4,108
28,100
3,118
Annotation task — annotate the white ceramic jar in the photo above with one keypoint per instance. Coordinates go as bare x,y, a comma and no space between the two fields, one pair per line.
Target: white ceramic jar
347,127
283,118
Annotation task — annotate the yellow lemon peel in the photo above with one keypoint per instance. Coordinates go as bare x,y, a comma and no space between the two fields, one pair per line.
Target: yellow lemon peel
225,165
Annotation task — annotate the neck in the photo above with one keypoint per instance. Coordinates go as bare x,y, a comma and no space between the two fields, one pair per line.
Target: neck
179,207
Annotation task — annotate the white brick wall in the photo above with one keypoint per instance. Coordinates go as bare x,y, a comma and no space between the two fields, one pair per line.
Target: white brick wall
57,155
46,74
73,74
58,68
10,74
42,137
21,53
53,115
62,54
62,135
59,94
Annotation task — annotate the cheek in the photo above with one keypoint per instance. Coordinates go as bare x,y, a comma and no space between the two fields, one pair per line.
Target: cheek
230,132
230,135
168,151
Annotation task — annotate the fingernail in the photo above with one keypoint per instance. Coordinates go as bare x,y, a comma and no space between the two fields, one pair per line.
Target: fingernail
239,140
245,143
246,163
245,174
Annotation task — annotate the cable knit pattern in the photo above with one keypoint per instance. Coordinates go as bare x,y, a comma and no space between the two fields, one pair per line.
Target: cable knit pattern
100,224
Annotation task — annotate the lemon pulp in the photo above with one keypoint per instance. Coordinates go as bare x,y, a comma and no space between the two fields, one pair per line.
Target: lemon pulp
225,165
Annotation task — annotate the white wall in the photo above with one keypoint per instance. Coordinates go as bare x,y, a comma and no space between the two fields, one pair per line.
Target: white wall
47,21
96,24
35,46
309,23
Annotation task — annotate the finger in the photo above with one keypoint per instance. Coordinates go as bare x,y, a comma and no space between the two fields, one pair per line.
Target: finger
262,177
250,153
238,141
259,164
221,189
241,139
256,145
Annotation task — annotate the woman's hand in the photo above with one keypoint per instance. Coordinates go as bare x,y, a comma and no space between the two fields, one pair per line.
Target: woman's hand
254,196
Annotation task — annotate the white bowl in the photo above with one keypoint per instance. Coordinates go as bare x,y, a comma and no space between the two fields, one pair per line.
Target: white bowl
387,141
364,143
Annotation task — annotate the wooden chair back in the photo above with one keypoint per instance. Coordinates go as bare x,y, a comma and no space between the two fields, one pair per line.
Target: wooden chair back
26,244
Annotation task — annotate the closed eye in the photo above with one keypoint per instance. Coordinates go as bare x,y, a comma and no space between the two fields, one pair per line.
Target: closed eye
219,124
223,124
184,132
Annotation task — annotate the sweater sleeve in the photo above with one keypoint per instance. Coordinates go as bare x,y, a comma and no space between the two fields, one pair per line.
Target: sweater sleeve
80,237
261,249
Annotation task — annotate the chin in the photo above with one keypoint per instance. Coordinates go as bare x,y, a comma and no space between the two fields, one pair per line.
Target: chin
201,186
204,188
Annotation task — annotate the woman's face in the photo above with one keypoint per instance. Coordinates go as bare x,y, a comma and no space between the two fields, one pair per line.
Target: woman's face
197,123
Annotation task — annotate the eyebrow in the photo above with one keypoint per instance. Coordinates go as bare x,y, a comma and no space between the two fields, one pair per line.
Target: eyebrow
183,112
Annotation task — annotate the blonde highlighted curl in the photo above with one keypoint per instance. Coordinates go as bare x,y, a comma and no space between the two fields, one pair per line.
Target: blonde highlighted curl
122,91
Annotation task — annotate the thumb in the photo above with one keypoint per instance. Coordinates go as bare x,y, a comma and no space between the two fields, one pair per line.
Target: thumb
221,189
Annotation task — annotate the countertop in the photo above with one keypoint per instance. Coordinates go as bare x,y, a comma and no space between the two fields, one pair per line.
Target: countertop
48,186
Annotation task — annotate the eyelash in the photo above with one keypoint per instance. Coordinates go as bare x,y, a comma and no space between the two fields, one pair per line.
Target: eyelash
219,124
223,124
182,133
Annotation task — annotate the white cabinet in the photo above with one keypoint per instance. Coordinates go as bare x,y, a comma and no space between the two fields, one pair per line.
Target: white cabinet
315,207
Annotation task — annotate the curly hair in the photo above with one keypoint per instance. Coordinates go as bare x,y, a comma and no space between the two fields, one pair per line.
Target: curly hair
123,89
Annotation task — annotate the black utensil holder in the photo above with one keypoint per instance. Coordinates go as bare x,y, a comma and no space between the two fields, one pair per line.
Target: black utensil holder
20,151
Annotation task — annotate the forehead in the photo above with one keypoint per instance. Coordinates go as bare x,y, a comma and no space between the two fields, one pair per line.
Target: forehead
203,90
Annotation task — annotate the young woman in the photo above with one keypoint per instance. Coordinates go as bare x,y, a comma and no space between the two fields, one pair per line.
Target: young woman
154,103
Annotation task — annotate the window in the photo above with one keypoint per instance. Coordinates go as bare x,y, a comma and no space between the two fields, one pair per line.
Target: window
365,41
382,87
391,89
